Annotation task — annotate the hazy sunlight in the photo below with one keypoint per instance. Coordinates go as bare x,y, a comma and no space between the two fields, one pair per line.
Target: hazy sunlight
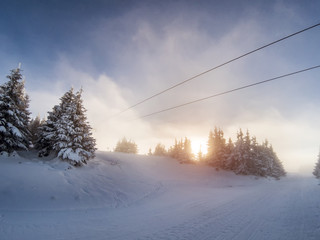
198,144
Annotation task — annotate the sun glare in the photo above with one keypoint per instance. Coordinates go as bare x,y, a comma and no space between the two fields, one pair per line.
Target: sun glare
197,145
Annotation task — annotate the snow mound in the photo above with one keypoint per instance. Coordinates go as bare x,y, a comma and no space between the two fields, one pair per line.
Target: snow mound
123,197
109,180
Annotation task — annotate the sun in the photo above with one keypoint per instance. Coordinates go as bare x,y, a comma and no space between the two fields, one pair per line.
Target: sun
198,144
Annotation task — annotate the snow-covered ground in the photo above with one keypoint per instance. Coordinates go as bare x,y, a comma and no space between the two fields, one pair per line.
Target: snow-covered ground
121,196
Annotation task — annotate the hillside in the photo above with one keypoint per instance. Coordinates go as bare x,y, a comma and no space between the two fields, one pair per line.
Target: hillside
123,196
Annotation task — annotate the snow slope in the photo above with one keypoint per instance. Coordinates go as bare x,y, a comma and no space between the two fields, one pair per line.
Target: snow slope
123,196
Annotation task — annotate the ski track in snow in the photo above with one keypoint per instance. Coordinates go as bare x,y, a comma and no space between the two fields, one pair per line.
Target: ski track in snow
274,213
155,200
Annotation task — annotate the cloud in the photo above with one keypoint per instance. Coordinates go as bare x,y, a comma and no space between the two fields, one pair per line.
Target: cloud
134,55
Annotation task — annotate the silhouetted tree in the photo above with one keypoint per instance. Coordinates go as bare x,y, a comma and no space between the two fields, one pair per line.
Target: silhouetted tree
182,151
316,171
217,149
126,146
245,156
160,150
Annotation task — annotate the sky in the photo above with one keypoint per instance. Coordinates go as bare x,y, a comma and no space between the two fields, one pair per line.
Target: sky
121,52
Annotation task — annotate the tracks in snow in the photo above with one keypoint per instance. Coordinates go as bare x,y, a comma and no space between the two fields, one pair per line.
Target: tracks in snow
277,211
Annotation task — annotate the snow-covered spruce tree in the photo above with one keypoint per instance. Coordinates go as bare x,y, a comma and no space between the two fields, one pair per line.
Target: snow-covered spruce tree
14,114
187,156
250,154
126,146
73,139
210,147
316,170
270,163
181,151
48,132
258,163
34,129
175,151
217,149
160,150
277,169
239,154
228,155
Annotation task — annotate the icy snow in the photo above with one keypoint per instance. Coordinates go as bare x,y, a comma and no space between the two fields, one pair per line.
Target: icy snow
124,196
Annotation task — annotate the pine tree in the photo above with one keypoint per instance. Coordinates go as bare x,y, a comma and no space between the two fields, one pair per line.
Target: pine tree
245,156
239,155
14,114
267,162
210,151
200,156
187,155
48,132
228,155
181,151
160,150
316,171
258,166
34,129
66,132
216,149
278,170
126,146
175,150
248,155
221,149
73,139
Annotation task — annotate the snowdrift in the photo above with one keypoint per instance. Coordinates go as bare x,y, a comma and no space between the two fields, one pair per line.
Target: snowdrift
110,180
125,197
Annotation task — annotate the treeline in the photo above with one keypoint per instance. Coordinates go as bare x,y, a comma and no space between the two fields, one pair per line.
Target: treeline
66,132
245,156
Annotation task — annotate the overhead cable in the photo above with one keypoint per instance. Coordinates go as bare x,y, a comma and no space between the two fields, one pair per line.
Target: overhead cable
230,91
218,66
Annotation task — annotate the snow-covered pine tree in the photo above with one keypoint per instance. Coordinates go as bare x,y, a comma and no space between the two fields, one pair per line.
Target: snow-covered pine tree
228,155
187,155
216,149
126,146
316,170
34,129
268,163
276,168
14,114
236,156
249,157
73,139
258,166
175,150
241,154
160,150
48,132
200,156
210,149
181,150
221,149
84,143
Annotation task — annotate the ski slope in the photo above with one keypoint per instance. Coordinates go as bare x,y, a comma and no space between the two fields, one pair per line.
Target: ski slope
121,196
